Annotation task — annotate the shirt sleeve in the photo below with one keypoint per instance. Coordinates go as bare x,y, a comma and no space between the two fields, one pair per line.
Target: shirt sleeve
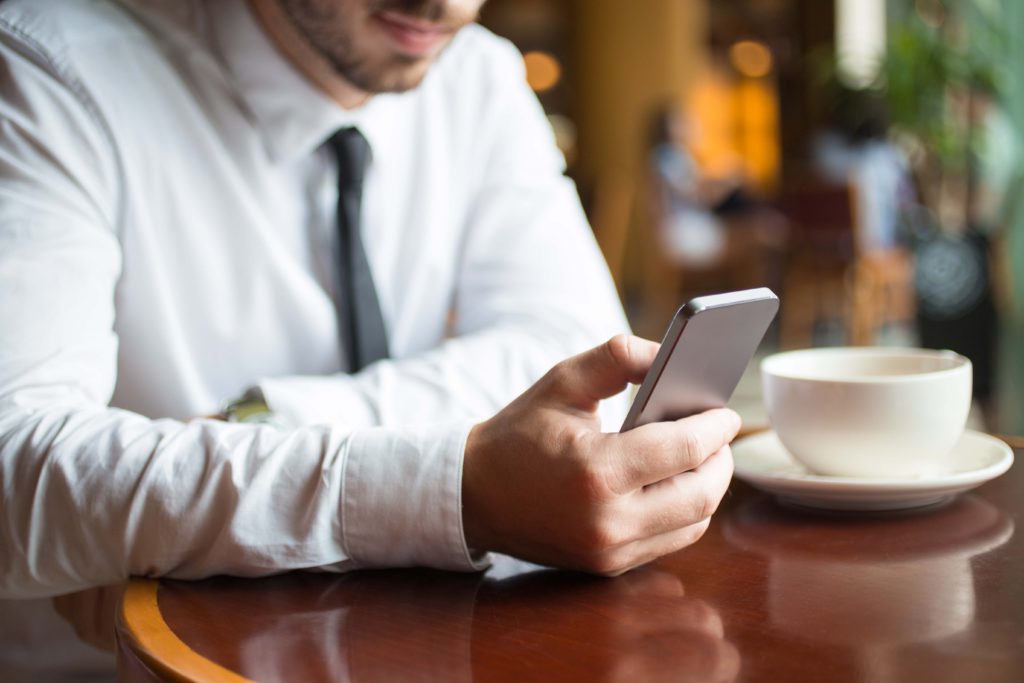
92,494
532,288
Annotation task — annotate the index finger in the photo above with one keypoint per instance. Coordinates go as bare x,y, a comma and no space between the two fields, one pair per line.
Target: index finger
660,450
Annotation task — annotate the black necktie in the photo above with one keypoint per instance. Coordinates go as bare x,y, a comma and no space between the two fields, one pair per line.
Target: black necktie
360,325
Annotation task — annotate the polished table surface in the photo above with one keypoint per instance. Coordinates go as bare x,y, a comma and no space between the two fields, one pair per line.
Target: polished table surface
769,594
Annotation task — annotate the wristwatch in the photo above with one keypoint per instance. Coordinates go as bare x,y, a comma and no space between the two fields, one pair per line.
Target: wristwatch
251,408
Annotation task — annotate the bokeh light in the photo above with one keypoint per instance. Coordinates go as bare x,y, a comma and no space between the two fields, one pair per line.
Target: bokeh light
751,58
543,71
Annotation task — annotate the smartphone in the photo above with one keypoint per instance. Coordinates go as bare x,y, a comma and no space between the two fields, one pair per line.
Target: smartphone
703,355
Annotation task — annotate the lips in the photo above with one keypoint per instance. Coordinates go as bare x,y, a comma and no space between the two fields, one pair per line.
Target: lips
411,35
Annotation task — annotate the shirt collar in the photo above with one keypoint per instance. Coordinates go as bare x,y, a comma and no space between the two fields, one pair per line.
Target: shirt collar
292,114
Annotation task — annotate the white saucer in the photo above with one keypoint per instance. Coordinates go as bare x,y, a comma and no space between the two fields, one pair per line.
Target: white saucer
763,462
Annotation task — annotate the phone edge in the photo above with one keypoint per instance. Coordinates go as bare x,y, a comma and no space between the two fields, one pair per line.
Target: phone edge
681,317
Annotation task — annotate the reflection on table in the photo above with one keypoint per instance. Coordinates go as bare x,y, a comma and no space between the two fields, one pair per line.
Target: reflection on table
894,601
395,625
771,593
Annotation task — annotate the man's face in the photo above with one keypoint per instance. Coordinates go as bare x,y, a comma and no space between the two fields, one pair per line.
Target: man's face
380,45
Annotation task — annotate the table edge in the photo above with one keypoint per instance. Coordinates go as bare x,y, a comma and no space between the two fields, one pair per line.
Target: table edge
142,628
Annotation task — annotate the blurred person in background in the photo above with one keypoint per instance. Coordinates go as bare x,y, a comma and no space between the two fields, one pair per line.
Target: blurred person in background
707,222
856,150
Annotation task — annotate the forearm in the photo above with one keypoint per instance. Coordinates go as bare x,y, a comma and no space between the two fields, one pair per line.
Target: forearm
520,306
465,378
93,495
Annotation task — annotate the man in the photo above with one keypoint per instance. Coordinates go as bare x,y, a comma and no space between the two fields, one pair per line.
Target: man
170,197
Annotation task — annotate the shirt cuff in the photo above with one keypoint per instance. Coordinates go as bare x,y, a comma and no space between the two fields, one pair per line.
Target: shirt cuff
401,502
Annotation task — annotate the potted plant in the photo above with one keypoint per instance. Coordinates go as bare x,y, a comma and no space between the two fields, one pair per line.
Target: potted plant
944,83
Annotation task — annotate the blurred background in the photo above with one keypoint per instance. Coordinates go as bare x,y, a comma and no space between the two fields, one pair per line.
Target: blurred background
864,158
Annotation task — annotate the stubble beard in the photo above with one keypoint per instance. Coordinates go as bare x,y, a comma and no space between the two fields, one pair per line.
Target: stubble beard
322,25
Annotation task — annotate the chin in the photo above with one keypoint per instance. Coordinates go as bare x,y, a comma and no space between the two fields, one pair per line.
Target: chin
404,82
392,78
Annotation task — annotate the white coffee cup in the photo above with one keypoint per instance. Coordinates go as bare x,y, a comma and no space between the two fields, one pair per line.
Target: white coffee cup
870,412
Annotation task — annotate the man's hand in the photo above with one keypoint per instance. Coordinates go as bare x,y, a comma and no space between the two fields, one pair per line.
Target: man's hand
541,482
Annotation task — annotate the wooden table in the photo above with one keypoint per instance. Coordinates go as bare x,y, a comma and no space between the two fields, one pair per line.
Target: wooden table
769,594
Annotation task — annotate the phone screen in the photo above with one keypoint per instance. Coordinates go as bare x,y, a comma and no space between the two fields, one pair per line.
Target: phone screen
703,355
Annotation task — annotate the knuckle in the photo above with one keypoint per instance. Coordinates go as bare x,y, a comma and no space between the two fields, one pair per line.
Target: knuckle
705,505
592,475
730,465
699,529
606,564
602,536
690,535
692,447
619,349
558,375
701,504
593,482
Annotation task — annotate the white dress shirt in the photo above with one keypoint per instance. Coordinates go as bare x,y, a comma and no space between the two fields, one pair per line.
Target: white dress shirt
167,240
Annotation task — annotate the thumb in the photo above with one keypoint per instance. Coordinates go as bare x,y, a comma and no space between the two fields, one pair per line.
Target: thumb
603,371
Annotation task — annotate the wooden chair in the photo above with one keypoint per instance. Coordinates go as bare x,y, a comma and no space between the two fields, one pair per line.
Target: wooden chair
821,251
881,292
833,274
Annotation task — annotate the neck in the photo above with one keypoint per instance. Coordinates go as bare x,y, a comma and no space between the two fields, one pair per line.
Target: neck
278,26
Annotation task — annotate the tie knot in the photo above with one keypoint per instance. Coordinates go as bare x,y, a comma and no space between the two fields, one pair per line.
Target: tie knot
352,152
